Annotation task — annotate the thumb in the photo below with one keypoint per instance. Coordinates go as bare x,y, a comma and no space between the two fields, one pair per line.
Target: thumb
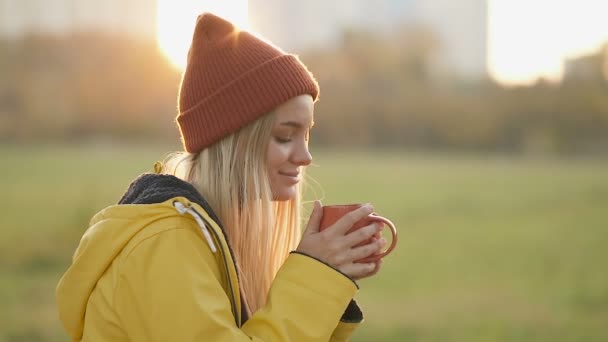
315,219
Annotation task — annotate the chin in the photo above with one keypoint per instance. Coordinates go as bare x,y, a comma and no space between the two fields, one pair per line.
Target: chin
284,194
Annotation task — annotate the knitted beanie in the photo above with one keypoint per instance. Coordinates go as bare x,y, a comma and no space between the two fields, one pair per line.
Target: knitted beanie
231,79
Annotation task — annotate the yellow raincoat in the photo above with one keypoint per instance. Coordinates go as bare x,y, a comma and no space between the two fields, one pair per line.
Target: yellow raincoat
160,269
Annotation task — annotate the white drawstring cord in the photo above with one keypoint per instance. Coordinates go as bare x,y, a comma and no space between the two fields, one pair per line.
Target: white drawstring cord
182,209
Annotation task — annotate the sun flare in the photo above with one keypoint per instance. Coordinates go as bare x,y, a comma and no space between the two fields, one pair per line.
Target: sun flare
531,39
176,20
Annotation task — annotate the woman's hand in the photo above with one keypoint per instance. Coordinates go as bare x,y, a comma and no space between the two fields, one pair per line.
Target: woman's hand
337,248
375,270
377,264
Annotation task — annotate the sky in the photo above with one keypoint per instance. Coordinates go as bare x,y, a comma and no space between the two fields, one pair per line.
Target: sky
527,39
176,21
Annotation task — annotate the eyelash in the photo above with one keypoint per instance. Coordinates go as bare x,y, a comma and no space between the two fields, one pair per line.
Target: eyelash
282,140
286,140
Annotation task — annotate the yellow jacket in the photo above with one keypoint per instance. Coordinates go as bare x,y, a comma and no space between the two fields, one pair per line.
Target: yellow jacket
157,267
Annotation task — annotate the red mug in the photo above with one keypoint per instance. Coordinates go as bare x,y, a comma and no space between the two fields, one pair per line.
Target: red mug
331,214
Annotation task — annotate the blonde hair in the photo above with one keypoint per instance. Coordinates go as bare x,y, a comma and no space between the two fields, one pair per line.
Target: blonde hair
232,176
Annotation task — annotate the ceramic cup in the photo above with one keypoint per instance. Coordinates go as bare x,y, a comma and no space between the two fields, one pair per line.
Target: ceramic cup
331,214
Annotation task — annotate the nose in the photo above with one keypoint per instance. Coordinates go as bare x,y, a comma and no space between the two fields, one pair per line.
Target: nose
301,155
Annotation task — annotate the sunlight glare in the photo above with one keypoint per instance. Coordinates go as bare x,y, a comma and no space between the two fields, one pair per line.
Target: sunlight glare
176,20
531,39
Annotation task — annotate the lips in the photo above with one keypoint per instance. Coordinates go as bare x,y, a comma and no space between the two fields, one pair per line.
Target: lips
292,177
294,174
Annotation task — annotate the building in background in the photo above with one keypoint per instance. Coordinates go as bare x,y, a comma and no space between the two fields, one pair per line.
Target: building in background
461,26
462,30
136,18
295,25
588,68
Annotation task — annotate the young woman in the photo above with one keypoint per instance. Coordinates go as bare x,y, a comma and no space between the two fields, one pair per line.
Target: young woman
208,248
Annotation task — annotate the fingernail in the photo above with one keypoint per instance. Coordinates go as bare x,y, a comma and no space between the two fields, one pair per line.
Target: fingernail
319,205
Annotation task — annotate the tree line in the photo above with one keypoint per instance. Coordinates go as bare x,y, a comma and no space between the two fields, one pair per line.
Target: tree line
376,91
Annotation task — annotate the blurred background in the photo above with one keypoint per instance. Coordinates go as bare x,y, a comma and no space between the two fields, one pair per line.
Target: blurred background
480,127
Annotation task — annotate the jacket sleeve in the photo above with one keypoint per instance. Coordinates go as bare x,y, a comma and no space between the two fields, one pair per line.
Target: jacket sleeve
351,319
170,289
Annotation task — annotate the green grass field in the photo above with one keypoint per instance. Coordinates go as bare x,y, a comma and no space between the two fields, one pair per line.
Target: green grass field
491,248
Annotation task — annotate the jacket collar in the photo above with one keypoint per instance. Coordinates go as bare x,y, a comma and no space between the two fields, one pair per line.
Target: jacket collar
151,188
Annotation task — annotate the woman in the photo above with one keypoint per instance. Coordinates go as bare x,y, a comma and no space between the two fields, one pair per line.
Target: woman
216,254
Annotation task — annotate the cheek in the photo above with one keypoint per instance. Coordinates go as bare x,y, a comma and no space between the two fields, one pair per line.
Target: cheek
276,156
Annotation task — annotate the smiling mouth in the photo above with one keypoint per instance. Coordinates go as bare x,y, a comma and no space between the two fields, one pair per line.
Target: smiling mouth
290,174
294,176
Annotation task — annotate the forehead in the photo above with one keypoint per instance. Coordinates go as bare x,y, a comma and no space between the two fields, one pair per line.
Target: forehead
298,109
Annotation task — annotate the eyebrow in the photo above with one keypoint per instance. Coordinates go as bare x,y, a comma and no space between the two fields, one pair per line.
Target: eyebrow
295,124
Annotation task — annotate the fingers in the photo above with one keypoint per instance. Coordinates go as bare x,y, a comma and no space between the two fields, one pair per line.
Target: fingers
315,219
362,273
347,221
376,269
363,234
359,271
361,252
351,253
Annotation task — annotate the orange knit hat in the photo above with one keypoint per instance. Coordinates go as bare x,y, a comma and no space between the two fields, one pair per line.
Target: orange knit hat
231,79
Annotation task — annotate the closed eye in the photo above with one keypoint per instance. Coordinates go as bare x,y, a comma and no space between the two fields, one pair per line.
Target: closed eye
282,140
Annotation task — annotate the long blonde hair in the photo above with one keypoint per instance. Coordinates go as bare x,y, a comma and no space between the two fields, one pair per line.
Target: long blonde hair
232,176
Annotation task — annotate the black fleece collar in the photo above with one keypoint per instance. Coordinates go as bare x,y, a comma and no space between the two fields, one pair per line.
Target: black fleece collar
152,188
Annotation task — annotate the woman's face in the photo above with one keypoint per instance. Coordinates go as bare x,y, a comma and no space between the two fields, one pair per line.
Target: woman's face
288,148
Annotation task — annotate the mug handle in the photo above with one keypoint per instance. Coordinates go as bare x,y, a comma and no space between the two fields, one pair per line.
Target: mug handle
391,225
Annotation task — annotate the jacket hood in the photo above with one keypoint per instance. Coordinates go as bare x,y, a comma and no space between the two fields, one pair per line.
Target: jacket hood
109,232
